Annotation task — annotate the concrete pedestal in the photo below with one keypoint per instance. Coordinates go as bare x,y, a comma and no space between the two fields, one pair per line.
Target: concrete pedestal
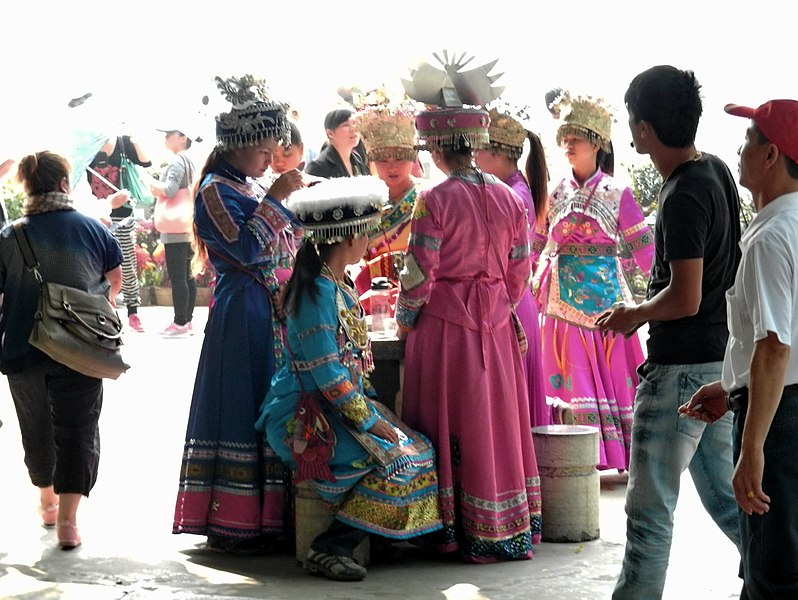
312,518
569,481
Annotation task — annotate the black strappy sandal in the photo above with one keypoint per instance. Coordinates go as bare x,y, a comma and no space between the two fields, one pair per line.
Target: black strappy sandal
332,566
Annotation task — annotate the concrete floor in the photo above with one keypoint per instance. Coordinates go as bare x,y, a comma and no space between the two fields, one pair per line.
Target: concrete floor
130,553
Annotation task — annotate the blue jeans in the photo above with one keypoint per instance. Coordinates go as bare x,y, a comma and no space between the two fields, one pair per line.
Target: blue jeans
664,444
770,541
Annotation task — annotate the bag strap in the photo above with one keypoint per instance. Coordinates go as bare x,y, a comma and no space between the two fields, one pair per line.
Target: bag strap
120,143
236,265
27,252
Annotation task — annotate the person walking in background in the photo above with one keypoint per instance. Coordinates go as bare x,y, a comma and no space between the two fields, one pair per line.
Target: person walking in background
581,276
330,359
696,237
507,136
174,219
466,267
231,483
339,158
760,370
58,408
107,164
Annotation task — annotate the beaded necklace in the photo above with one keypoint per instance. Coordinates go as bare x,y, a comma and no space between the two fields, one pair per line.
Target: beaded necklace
353,329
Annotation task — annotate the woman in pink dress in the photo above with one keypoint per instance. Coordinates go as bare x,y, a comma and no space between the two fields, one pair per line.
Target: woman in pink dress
580,276
507,137
467,263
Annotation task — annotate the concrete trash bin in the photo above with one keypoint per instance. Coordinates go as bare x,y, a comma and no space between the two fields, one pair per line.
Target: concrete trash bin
567,456
312,518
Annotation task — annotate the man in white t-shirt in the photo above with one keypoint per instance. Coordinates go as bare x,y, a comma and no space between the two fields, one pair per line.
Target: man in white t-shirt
760,373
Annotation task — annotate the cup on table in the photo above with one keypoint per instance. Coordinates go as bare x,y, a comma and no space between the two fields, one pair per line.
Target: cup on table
389,327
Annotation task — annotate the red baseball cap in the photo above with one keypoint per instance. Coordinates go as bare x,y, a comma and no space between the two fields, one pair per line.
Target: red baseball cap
777,120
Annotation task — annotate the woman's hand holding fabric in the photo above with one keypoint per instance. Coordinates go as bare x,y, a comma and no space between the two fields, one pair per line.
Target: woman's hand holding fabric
383,429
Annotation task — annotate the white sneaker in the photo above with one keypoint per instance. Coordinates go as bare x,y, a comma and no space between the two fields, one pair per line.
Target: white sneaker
175,331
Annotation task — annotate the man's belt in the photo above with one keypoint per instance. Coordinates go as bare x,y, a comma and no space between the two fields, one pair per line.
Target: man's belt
738,399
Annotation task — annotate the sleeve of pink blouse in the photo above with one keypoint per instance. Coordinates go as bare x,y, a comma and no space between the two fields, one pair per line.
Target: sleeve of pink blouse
539,238
635,232
518,265
422,258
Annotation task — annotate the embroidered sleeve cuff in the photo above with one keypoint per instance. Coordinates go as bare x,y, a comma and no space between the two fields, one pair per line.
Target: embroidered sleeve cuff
406,317
359,413
269,219
639,242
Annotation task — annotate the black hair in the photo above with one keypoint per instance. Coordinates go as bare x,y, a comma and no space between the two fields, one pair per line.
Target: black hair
537,175
605,160
336,117
296,137
669,100
307,267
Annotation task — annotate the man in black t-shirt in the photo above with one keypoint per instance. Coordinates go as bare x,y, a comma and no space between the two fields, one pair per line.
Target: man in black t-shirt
696,241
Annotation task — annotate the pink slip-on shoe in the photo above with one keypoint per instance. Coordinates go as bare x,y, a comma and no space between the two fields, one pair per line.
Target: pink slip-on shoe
135,323
68,536
49,515
175,331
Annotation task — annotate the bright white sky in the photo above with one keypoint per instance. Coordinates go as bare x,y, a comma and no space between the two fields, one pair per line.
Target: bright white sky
148,59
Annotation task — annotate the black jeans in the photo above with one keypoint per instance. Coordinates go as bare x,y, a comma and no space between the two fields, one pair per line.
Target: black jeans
340,539
59,411
770,541
184,286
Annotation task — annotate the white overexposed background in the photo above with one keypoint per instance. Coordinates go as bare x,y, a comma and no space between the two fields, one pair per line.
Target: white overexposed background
145,61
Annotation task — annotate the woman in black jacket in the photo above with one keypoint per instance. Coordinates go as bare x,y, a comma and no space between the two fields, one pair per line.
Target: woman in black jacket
339,157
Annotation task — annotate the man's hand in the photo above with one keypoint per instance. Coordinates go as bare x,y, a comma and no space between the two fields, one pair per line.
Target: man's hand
621,318
708,404
747,482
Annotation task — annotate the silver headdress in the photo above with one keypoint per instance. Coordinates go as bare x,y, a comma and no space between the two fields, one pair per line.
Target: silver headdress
254,117
452,90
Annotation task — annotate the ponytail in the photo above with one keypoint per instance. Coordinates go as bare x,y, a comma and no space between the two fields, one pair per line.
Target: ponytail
537,175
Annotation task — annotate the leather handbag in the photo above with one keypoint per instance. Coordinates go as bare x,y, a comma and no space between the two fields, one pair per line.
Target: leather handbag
73,327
